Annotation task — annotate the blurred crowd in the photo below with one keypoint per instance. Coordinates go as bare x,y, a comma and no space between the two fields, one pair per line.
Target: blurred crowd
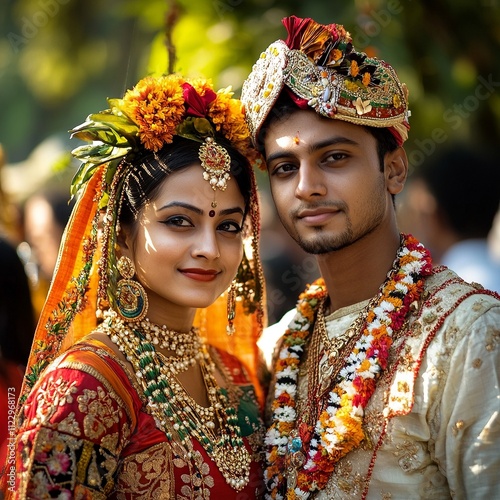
34,210
451,203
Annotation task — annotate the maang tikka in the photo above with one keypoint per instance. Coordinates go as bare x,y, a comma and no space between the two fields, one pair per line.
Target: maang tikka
216,163
131,299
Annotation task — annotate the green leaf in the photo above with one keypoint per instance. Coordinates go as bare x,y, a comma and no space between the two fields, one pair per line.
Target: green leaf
202,125
80,178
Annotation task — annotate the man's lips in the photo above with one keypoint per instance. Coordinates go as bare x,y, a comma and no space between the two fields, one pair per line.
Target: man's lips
200,274
316,216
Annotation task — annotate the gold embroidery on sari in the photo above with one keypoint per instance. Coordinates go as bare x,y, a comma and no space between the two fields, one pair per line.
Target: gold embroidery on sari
147,475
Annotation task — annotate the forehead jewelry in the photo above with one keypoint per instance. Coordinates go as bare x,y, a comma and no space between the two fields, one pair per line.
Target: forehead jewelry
216,164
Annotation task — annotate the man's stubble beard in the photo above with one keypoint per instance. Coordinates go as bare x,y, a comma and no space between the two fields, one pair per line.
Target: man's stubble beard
325,242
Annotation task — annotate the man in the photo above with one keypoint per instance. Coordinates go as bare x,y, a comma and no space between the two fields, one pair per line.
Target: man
385,382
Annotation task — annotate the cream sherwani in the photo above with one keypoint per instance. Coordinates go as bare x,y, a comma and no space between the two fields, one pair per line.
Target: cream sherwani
433,423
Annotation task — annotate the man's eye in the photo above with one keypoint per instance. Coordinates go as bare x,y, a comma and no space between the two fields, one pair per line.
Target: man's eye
284,168
336,156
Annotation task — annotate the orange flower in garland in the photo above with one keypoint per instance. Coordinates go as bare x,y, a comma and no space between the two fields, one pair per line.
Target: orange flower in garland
228,116
338,429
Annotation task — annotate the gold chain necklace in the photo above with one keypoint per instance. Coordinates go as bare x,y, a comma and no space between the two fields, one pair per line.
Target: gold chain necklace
323,375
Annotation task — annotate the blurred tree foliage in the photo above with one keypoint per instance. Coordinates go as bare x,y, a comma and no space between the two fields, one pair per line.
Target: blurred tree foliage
60,59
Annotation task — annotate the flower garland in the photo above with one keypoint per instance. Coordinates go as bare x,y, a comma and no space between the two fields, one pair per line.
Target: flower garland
338,429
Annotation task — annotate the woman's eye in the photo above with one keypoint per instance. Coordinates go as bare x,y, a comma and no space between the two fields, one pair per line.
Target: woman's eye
178,221
229,227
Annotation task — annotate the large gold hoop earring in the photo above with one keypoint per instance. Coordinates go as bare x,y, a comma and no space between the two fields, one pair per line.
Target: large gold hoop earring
131,298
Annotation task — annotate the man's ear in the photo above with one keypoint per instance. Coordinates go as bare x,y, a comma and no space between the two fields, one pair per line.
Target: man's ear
396,170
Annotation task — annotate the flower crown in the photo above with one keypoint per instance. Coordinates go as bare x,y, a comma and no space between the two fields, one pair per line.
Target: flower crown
148,117
319,67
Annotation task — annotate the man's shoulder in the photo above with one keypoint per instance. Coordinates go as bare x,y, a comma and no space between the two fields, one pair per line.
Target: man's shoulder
449,300
449,289
272,334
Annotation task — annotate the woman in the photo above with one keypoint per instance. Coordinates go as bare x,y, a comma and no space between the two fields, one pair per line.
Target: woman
147,405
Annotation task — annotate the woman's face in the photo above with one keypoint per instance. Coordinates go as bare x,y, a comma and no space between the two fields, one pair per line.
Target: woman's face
185,255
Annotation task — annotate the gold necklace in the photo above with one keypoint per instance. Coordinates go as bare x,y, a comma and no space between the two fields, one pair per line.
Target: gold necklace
322,375
176,412
185,345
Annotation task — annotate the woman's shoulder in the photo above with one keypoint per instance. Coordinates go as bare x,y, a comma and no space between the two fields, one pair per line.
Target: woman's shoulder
92,365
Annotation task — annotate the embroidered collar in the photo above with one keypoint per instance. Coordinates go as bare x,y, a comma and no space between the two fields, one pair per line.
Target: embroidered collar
313,450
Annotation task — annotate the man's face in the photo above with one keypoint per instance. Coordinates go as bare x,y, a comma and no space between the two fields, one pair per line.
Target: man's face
326,180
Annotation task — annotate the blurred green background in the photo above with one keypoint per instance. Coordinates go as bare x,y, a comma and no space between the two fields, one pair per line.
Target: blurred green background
61,59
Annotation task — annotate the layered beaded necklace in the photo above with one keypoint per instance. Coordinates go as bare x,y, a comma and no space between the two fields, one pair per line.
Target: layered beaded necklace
185,345
215,427
302,451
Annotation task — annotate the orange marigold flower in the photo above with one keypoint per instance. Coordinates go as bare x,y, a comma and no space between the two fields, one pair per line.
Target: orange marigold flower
201,85
354,70
273,455
228,116
366,79
405,259
324,418
156,105
365,365
336,55
381,330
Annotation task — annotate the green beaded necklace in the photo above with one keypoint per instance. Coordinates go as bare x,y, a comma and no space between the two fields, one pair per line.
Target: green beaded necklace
175,411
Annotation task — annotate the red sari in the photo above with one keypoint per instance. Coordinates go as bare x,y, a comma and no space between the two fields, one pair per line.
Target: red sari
86,433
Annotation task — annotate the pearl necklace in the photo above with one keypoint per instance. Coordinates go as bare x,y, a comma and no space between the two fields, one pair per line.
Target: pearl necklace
174,410
185,345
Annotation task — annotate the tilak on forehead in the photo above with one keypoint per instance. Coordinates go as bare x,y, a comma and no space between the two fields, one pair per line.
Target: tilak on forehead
320,69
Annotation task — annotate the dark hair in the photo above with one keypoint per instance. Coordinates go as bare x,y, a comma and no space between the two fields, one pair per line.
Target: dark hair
466,185
149,171
285,106
17,317
386,142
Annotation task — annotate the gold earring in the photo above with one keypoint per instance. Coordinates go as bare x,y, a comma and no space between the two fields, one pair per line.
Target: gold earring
131,298
231,308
